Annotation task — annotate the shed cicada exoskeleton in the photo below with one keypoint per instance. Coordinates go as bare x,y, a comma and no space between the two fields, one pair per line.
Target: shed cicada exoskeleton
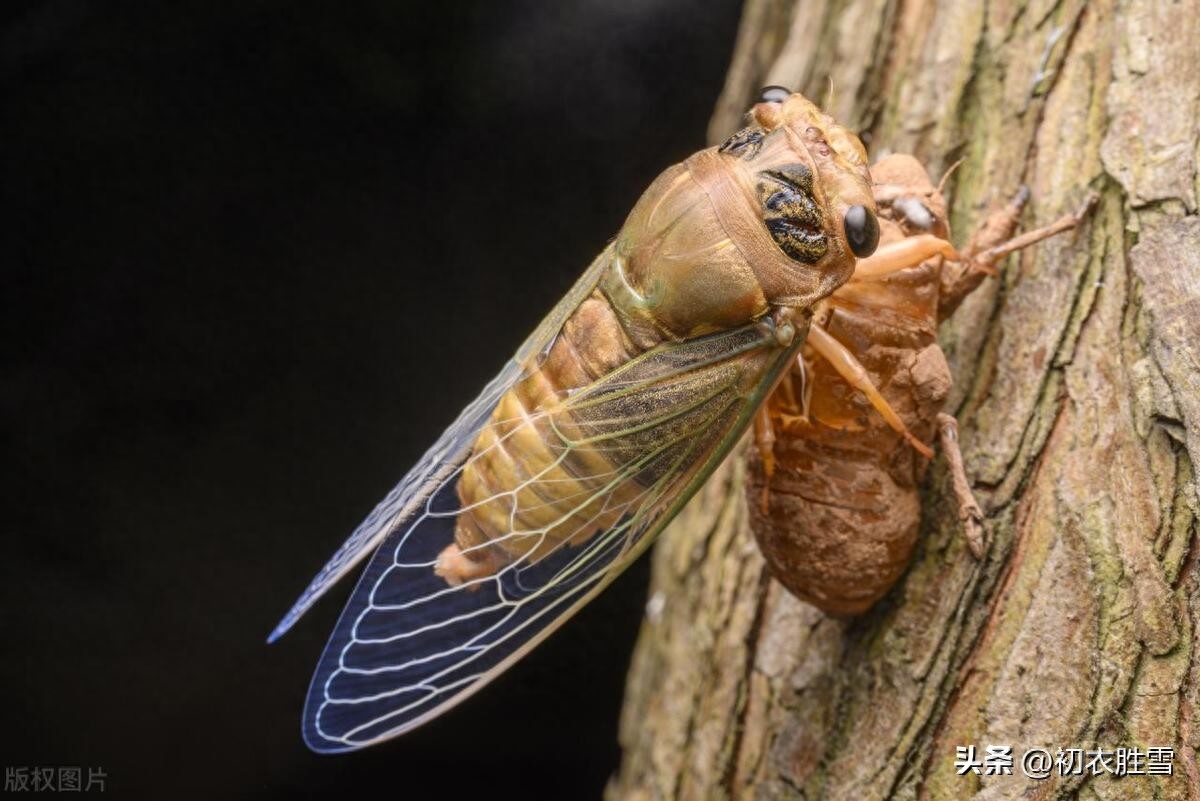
592,437
845,439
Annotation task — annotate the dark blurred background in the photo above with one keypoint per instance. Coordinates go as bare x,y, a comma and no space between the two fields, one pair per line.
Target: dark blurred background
256,256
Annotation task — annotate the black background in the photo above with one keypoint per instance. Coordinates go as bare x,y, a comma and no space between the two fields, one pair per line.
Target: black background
255,259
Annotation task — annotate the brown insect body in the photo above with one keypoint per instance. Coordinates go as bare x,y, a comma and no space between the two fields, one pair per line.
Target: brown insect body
833,487
591,438
723,239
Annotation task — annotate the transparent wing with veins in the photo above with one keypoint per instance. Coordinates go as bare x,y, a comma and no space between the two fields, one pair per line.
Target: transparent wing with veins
409,645
433,467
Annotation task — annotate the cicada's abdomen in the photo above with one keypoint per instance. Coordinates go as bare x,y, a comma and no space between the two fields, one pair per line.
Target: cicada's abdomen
528,488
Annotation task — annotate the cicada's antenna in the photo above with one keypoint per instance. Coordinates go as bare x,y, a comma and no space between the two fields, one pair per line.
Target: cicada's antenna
946,175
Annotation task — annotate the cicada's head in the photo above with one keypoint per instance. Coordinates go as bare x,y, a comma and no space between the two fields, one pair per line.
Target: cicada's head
773,218
810,181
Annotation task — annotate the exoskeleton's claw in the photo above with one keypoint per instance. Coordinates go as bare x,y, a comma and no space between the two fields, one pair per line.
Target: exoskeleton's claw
973,530
1089,204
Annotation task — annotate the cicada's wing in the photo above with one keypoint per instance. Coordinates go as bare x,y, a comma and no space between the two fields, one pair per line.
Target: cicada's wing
441,460
409,645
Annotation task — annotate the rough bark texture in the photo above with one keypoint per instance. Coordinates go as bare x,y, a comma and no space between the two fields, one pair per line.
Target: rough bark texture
1078,390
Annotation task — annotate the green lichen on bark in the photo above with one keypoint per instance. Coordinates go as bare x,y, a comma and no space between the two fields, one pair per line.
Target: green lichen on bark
1078,394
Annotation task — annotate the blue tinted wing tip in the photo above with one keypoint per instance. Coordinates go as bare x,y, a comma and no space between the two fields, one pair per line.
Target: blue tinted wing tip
281,628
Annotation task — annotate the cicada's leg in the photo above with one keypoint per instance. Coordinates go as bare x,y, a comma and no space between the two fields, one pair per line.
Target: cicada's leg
849,368
793,412
908,252
764,440
806,387
968,510
993,241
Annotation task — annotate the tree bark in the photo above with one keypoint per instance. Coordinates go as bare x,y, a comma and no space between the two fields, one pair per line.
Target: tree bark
1078,391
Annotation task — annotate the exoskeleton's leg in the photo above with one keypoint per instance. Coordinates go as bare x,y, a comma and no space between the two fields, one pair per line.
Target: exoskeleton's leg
787,386
856,375
794,410
968,510
986,258
764,440
992,242
908,252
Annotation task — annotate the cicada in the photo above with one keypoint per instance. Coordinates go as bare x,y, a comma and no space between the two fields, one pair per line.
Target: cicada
608,418
845,439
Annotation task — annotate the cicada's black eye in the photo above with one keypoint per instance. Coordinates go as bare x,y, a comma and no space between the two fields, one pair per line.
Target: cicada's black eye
774,94
862,231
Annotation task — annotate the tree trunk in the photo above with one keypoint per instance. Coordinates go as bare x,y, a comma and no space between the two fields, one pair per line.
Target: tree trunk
1078,390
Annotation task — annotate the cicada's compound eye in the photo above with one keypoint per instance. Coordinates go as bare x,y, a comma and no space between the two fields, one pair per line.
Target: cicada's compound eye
862,231
745,143
791,213
774,94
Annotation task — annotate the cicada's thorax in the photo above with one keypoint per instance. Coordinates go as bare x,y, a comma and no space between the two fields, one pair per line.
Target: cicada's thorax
844,509
731,235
